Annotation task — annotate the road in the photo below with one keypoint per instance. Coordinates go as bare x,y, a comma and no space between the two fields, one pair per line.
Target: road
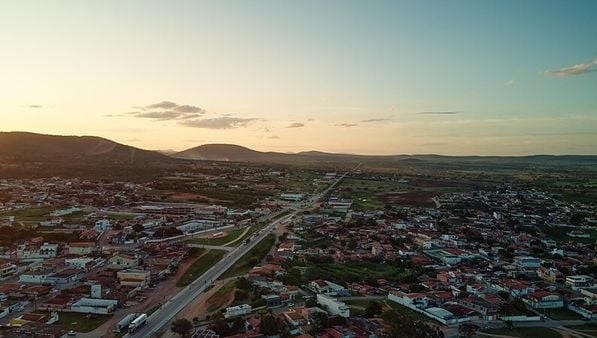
160,318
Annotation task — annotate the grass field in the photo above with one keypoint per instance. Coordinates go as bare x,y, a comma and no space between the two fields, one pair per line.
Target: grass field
403,310
79,322
228,237
252,258
559,234
524,332
201,265
355,271
220,297
30,214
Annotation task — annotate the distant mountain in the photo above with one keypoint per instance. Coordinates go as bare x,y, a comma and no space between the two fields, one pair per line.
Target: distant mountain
233,153
236,153
30,147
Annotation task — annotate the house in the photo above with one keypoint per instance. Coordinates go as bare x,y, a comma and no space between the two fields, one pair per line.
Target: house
417,300
333,306
544,300
527,262
272,300
578,281
328,288
237,311
7,269
123,261
133,277
94,305
81,248
83,263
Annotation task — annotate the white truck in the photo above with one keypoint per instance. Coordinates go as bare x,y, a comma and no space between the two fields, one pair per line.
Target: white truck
138,322
123,324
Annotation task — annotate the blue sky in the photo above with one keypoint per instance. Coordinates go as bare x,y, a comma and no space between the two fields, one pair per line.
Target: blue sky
449,77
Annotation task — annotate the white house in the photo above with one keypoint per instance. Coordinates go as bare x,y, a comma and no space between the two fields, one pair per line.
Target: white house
237,311
333,306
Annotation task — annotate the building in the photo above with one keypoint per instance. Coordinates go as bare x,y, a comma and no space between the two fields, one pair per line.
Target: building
94,305
123,261
7,269
81,248
291,197
83,263
579,281
527,262
333,306
132,277
544,300
417,300
237,311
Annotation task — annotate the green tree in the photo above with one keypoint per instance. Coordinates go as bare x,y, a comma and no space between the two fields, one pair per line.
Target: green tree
270,325
182,326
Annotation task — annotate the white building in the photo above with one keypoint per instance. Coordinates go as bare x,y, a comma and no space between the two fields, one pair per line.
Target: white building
102,225
237,311
527,262
333,306
93,305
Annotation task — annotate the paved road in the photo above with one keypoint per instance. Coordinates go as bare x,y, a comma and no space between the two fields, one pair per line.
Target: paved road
159,319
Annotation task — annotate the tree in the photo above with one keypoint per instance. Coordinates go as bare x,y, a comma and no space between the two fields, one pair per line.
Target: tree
182,326
467,330
403,326
270,325
321,322
373,308
138,227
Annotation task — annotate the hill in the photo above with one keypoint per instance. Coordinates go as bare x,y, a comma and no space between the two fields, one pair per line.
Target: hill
236,153
232,153
19,147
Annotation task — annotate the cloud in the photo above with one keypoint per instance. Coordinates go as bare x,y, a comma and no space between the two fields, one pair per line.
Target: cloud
217,123
162,105
438,112
346,125
190,109
510,82
295,125
273,137
166,111
33,106
578,69
379,119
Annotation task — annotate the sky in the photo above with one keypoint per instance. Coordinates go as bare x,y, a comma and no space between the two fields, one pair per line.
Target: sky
370,77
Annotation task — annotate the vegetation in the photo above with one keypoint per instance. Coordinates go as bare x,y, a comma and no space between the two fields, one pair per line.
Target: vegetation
202,264
182,326
251,258
80,322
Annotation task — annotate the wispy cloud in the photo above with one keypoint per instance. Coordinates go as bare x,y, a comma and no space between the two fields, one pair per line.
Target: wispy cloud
166,111
438,112
378,119
295,125
273,137
34,106
579,69
224,122
345,125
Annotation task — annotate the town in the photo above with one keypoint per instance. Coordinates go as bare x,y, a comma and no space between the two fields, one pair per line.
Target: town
314,254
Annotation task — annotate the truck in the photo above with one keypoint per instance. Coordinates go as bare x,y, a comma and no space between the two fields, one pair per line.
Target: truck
138,322
124,322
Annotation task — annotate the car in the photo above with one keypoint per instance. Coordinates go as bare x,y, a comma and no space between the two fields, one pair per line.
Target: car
71,333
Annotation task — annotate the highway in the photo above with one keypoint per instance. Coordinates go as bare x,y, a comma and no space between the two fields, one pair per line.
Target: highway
160,318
